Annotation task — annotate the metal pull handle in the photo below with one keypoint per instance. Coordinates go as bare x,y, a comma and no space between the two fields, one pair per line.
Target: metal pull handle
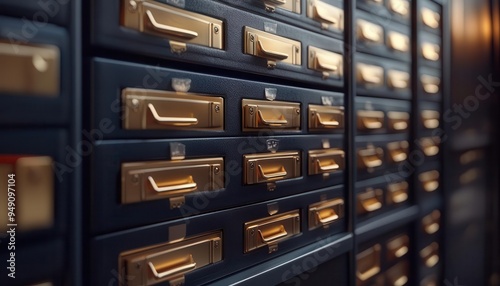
279,174
324,13
372,162
431,186
431,150
171,120
398,156
179,266
431,228
169,30
371,204
363,276
371,157
325,123
327,215
400,125
272,122
188,186
431,87
273,234
271,54
399,197
431,123
324,65
372,123
331,166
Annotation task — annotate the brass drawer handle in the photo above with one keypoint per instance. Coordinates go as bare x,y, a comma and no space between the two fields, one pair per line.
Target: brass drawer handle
370,200
327,215
371,157
431,222
324,123
177,267
279,174
368,263
331,165
370,119
371,205
324,12
279,2
273,234
180,121
430,18
430,255
272,122
188,187
170,30
271,54
430,83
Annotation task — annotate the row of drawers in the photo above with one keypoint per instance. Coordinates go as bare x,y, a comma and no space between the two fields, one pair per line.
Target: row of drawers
254,233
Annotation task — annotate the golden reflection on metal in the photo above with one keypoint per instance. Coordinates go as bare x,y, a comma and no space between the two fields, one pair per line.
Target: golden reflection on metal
397,192
29,69
370,75
401,7
370,32
328,15
431,51
430,18
329,63
324,161
325,117
171,261
325,213
265,114
398,79
430,145
398,41
271,47
398,120
370,200
271,230
398,274
270,167
430,255
370,119
429,180
430,83
430,222
430,119
370,157
289,5
398,151
368,263
398,247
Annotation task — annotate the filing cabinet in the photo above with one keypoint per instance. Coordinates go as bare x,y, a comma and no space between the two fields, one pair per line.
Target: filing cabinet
389,10
376,116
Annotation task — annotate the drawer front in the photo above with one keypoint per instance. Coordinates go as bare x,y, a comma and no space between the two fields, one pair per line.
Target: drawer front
41,182
429,84
430,50
394,10
35,82
57,12
430,17
251,43
320,16
377,116
178,249
382,77
152,102
163,190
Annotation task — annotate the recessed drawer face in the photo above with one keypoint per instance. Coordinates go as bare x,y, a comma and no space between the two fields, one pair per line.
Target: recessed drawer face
271,230
325,213
398,41
430,118
172,23
289,5
171,261
430,50
398,274
272,47
370,157
399,7
430,17
397,193
370,120
430,255
28,191
325,161
270,167
430,83
30,69
326,62
146,109
329,16
370,76
368,263
398,151
430,145
398,120
398,80
429,180
370,200
155,180
264,115
398,247
369,32
325,118
431,222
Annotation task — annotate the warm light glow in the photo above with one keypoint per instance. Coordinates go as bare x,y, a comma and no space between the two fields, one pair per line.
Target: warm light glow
430,18
400,6
370,32
430,51
399,41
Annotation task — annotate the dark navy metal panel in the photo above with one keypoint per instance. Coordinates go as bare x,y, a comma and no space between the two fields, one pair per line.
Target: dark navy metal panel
379,141
105,249
36,262
383,49
370,229
48,142
52,11
383,91
109,214
382,10
110,77
299,20
382,183
384,105
108,33
29,109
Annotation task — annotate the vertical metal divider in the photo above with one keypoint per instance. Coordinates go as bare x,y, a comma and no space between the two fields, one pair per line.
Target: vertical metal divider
350,83
74,275
446,150
415,4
